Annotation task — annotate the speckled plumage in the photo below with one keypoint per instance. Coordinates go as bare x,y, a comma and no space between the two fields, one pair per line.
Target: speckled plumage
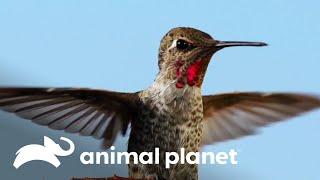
169,123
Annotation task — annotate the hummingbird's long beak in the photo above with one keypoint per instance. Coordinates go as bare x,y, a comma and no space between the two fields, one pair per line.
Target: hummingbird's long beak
223,44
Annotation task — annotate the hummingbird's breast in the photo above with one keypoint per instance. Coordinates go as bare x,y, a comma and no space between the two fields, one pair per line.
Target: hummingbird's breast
169,119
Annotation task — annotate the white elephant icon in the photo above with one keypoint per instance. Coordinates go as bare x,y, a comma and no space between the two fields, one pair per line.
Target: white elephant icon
48,152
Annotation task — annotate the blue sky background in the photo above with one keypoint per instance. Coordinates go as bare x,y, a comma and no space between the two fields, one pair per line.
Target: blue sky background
113,45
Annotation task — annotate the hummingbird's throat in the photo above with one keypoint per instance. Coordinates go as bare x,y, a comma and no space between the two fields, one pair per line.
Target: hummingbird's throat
192,75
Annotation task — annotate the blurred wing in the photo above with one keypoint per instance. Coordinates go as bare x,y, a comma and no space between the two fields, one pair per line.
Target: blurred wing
230,116
97,113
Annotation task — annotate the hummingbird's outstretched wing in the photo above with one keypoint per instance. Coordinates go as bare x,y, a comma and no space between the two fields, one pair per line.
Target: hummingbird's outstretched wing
233,115
97,113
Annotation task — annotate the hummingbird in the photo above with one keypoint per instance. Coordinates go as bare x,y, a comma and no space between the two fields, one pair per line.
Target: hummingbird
170,114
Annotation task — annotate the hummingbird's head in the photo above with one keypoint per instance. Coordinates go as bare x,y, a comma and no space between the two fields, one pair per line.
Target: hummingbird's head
185,53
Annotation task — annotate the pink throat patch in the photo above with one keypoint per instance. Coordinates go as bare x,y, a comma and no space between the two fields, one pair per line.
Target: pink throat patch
192,73
180,82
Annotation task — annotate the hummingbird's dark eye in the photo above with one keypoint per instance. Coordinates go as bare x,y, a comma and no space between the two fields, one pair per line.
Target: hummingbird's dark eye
183,45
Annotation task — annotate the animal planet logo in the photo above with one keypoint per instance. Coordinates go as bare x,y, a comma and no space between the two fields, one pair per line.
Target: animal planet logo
47,152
